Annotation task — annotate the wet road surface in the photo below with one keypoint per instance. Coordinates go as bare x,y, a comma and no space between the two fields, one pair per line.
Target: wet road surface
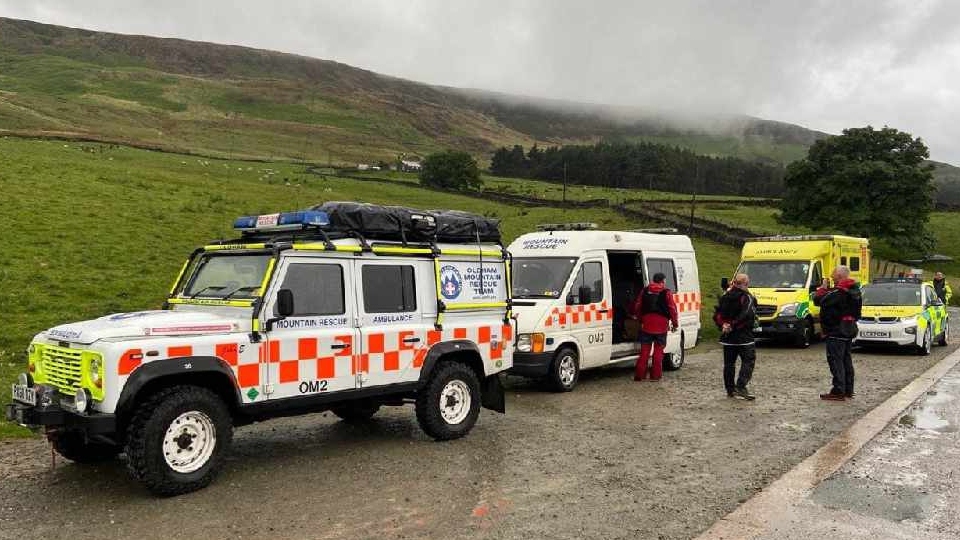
613,459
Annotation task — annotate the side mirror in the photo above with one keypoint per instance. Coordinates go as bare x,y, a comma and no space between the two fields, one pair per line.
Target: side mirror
724,283
284,303
586,295
570,299
283,308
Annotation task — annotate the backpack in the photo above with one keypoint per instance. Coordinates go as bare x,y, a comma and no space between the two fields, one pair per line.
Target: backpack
655,303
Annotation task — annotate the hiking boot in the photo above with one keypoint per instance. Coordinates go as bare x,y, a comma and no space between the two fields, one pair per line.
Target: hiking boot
850,395
731,393
833,396
743,393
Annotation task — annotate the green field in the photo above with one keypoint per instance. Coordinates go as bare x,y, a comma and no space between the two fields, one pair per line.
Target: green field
94,229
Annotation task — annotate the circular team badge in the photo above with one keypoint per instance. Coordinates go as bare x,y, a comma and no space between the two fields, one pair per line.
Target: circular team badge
451,283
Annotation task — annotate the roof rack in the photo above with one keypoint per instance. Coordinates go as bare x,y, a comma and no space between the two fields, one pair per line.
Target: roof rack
656,230
580,226
915,280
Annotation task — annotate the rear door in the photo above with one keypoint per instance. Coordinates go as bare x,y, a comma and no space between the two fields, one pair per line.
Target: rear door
589,312
311,352
393,330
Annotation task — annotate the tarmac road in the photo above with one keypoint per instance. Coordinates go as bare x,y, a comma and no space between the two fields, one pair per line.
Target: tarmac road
613,459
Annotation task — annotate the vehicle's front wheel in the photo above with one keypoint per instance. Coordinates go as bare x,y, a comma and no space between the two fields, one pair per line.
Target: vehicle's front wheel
356,413
448,407
75,446
945,335
177,440
674,361
924,348
565,370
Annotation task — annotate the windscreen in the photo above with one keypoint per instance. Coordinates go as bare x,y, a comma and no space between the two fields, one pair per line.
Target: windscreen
891,294
227,276
776,274
540,278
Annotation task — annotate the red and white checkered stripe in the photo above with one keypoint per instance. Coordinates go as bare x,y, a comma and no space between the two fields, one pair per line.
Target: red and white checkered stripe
579,315
687,301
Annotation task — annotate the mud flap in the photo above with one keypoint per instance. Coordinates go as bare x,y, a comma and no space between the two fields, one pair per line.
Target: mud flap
492,394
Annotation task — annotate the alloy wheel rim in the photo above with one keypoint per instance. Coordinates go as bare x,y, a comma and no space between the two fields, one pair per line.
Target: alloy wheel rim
568,370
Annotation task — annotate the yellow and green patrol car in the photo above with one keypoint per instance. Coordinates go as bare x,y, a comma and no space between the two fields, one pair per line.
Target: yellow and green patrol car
902,311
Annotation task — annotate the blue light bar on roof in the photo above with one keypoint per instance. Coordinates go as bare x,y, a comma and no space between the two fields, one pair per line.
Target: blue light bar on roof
282,222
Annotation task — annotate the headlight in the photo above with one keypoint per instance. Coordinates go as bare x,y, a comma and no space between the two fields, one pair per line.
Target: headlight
530,343
789,309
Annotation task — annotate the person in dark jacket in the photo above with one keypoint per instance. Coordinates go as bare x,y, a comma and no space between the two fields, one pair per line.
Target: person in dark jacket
736,317
840,308
657,311
942,288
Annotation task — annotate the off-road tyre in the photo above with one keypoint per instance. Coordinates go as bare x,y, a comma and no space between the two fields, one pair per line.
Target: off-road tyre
75,446
153,421
449,382
356,413
674,361
564,370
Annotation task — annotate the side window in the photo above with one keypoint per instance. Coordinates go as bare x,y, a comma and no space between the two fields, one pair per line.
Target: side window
590,277
816,278
854,264
843,261
317,289
388,288
666,267
931,296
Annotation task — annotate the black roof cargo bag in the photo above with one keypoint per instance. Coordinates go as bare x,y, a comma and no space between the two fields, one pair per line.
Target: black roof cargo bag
407,224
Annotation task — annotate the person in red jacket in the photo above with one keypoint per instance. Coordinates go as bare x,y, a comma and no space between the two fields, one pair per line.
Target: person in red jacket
657,312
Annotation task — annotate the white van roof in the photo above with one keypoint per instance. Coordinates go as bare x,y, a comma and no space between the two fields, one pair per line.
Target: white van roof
575,243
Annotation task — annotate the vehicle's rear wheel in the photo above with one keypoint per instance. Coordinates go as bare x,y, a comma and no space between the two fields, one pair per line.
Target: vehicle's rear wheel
75,446
565,370
674,361
448,407
945,335
177,439
356,413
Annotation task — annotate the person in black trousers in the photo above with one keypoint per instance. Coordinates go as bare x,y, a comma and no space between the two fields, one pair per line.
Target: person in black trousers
736,317
840,308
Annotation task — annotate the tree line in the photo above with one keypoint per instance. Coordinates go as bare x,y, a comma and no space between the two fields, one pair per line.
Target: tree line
641,166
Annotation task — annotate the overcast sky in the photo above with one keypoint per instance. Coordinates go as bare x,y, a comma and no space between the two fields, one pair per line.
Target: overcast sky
825,65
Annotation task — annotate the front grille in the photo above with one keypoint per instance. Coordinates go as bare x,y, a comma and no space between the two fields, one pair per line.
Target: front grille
879,319
62,367
889,319
867,319
766,310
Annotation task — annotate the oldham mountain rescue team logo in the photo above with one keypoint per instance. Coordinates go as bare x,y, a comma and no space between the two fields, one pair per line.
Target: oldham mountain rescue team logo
451,282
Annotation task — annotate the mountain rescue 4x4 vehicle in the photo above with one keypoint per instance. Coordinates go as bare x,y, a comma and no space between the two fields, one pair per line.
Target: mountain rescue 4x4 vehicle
785,271
345,307
573,288
902,311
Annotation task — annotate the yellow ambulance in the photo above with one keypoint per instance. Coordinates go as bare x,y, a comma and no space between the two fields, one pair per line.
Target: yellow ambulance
785,270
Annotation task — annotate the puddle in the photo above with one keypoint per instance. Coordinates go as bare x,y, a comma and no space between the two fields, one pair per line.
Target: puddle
929,418
871,498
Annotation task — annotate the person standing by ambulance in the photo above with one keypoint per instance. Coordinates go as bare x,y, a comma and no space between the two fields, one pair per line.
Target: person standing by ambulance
736,317
840,308
942,288
657,311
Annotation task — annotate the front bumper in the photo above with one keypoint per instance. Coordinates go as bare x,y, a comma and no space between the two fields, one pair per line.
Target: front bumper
531,364
779,327
889,334
54,416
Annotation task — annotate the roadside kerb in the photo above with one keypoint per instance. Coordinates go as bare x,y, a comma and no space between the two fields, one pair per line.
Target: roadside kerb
755,516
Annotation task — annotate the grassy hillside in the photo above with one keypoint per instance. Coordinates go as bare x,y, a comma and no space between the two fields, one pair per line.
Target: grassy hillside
94,229
232,101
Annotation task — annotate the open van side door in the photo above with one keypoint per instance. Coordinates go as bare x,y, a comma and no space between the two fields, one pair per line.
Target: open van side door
589,311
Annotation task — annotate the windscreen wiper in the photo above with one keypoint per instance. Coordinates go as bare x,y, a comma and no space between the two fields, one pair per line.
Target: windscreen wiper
205,289
241,289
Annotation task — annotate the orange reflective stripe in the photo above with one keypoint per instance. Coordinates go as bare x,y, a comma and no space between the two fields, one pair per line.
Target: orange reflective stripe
176,352
248,375
130,361
228,352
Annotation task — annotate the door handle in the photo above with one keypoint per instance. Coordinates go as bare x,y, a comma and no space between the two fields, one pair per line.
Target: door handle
411,340
603,310
339,346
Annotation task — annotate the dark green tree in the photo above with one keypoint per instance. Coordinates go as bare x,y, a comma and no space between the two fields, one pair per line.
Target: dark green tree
866,182
451,170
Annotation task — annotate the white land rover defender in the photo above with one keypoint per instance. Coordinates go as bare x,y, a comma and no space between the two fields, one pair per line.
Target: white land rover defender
345,307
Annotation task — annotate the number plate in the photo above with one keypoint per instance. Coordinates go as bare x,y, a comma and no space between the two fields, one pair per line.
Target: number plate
24,394
874,334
